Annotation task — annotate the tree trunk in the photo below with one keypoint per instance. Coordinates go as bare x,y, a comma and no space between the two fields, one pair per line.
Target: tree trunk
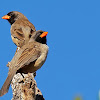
24,87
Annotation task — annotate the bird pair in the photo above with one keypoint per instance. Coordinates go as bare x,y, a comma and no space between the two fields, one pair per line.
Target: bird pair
32,46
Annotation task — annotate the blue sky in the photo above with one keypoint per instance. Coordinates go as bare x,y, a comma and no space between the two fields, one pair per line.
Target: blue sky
73,64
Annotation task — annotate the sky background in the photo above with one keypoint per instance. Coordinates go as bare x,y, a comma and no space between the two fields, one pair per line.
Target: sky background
72,67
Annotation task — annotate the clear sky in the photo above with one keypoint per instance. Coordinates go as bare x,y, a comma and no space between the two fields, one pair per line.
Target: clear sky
73,64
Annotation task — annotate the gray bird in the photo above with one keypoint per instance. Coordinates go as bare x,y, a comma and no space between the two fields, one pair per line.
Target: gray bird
29,58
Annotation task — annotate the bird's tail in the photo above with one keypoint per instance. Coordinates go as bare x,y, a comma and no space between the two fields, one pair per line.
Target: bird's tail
6,84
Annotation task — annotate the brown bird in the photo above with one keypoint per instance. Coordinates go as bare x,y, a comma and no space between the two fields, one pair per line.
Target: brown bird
21,28
29,58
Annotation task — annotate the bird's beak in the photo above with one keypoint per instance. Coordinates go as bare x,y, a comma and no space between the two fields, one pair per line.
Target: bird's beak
6,17
43,34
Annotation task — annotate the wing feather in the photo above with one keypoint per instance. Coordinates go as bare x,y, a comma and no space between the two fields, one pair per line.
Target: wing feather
29,55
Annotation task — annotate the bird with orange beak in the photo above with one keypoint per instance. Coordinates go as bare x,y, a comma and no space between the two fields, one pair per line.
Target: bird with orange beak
21,28
28,59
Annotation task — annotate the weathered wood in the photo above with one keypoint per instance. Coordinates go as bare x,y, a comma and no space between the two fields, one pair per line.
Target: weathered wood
25,87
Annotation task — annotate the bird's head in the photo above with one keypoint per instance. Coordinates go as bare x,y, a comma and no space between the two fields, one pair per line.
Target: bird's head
40,36
13,16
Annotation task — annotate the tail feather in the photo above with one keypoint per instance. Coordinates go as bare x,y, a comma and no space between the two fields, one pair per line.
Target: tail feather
6,84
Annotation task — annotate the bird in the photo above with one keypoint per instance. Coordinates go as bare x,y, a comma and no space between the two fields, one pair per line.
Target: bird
21,28
28,59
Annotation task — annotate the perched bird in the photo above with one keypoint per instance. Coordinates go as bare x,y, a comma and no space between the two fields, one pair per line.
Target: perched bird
21,28
28,59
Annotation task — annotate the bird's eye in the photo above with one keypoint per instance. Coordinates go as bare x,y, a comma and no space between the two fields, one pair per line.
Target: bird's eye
11,14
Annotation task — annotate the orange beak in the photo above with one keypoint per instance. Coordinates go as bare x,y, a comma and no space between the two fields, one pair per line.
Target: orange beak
6,17
43,34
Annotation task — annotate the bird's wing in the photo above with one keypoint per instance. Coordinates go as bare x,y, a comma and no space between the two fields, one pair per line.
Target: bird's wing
17,32
29,54
20,27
